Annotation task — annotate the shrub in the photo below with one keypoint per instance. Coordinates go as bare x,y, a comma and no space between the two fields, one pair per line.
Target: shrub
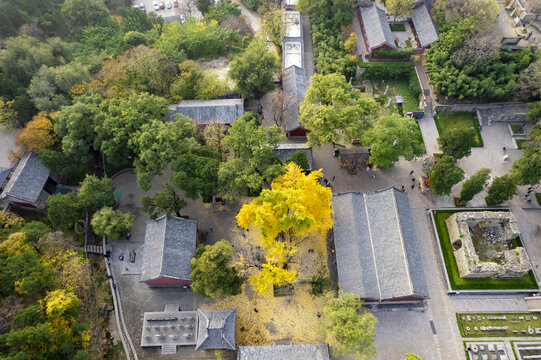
377,70
393,53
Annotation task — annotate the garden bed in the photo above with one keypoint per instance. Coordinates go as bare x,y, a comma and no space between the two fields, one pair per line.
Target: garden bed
528,281
538,198
459,120
398,27
518,324
520,143
517,129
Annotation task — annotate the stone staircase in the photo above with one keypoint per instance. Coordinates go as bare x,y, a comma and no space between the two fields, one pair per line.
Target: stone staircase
169,349
94,249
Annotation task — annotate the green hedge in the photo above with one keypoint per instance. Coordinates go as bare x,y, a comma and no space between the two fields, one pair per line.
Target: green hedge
393,53
377,70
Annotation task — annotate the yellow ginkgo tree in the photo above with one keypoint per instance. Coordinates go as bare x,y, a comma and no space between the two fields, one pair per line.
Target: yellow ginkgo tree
295,204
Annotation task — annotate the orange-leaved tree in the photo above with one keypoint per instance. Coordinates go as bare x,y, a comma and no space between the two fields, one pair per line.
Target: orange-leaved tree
38,134
295,205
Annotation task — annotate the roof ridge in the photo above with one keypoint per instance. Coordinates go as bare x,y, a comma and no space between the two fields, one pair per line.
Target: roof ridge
399,225
371,243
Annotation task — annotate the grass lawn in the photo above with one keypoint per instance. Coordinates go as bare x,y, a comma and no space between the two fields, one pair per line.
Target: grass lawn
399,87
517,129
520,142
459,120
538,197
518,324
397,27
456,282
408,44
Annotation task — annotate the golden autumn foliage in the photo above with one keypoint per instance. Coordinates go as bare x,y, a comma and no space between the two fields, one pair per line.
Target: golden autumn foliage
15,245
9,220
73,270
62,308
38,134
296,202
295,205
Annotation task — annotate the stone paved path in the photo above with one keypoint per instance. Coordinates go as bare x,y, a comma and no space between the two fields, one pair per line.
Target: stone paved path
308,47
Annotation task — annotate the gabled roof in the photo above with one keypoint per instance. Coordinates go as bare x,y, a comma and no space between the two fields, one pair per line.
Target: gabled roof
424,27
376,248
286,151
169,247
28,179
376,26
4,173
216,329
224,111
284,352
294,87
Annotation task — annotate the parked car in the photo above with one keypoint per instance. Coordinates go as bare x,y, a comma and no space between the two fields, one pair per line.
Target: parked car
142,7
162,5
156,6
175,3
168,4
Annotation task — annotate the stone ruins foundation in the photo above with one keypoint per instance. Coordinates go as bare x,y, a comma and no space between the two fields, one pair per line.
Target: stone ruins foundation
484,247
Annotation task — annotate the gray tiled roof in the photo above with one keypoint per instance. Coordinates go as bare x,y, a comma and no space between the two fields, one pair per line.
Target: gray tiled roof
224,111
294,86
376,26
4,173
284,352
169,247
28,179
285,151
216,329
376,248
424,27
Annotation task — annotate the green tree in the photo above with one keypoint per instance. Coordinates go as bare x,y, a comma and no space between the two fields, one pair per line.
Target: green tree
96,193
167,202
474,184
334,111
205,5
8,116
26,274
34,230
391,137
527,170
300,159
399,8
213,272
197,173
114,224
444,175
30,316
348,327
253,163
457,142
80,13
50,87
502,189
134,38
121,122
158,143
63,211
254,69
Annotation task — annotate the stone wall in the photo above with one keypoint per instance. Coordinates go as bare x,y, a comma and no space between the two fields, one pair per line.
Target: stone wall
515,262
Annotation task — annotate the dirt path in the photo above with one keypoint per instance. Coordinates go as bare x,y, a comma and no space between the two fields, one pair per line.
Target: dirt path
252,18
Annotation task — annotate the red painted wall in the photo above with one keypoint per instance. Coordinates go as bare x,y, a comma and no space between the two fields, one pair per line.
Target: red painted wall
297,132
165,281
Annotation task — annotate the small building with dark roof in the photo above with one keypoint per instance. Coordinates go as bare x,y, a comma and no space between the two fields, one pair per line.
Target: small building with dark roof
286,151
216,329
168,249
284,352
204,329
354,158
375,28
377,254
29,185
423,26
204,112
294,85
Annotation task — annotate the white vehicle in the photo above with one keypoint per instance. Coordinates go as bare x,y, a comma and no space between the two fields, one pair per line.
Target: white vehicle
168,5
142,7
156,6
